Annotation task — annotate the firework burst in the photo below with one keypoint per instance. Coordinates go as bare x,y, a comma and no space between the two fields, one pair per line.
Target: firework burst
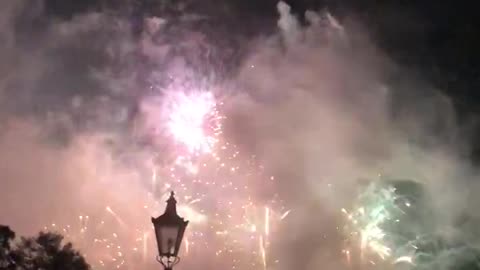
193,120
219,183
382,227
217,191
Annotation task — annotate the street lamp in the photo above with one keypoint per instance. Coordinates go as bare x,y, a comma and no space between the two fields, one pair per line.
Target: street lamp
169,229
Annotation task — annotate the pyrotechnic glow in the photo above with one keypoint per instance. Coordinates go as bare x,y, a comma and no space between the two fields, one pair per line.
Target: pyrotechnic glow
263,252
284,215
104,247
367,222
406,259
216,181
216,187
374,224
193,120
109,210
193,216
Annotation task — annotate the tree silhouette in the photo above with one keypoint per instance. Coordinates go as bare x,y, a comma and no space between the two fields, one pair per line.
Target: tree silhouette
45,251
6,236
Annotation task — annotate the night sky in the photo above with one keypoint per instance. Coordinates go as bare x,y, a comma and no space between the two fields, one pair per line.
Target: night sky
436,41
440,39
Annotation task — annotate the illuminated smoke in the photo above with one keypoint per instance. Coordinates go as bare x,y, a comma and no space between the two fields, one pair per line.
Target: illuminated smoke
193,120
261,161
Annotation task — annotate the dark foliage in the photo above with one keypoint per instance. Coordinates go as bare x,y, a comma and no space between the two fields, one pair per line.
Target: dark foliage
6,236
44,251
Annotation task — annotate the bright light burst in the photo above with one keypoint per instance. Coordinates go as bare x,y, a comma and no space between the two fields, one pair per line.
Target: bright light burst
216,186
217,182
193,120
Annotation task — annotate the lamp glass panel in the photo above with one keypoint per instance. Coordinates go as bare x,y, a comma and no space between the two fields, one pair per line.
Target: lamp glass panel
169,238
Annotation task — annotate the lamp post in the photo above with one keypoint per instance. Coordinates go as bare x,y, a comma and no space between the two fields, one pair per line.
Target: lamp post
169,230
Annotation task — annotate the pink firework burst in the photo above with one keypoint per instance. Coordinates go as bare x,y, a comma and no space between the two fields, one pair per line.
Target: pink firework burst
193,120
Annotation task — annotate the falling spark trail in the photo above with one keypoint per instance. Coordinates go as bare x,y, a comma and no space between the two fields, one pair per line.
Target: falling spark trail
119,220
267,221
284,215
195,201
154,180
407,259
349,259
263,253
145,247
187,246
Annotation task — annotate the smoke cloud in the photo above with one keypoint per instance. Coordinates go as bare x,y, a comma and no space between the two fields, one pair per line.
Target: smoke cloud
321,106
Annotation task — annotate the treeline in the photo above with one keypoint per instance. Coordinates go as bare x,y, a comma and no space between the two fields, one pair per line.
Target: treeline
45,251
